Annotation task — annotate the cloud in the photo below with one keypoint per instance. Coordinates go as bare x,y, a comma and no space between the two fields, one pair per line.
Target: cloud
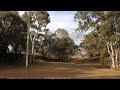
62,19
77,37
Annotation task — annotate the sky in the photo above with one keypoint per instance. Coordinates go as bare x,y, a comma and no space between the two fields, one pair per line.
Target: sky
64,20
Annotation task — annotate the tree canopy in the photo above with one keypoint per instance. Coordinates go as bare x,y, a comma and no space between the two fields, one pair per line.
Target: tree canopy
12,30
106,25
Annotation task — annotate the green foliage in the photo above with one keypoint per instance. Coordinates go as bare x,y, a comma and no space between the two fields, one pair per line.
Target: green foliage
106,25
36,19
12,30
54,47
94,46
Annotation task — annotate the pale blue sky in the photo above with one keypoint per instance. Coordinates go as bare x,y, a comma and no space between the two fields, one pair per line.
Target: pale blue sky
64,20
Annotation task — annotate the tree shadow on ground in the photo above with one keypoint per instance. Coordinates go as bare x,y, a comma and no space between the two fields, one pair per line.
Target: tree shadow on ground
51,70
104,77
85,66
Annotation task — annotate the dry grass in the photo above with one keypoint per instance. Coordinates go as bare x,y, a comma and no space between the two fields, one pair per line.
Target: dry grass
72,70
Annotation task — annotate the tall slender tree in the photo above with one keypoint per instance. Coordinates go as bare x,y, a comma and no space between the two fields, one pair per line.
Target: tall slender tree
36,20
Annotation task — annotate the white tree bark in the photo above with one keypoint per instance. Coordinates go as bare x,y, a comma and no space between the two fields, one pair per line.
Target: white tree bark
111,55
113,52
116,59
33,44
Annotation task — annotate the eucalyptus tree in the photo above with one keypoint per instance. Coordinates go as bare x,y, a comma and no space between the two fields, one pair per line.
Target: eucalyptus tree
36,20
106,24
95,47
63,46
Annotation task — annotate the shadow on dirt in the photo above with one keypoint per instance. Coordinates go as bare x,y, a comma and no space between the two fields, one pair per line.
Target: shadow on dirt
104,77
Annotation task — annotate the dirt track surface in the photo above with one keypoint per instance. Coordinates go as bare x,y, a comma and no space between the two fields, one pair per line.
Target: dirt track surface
58,70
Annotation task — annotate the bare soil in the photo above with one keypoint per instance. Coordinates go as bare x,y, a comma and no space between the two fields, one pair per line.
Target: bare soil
59,70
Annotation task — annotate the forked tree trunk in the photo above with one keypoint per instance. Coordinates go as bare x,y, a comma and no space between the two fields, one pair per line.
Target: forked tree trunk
114,54
111,55
113,47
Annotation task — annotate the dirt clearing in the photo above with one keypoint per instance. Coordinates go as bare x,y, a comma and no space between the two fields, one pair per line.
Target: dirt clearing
41,70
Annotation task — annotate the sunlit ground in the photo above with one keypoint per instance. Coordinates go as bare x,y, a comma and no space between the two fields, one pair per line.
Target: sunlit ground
71,70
